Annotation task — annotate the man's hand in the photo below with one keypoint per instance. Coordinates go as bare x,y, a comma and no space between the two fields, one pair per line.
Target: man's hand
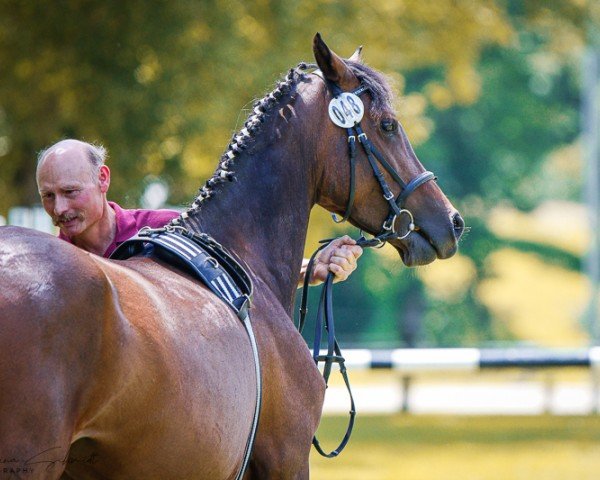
339,257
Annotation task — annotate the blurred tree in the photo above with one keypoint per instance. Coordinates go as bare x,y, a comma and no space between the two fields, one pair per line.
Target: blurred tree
495,150
161,85
101,71
513,89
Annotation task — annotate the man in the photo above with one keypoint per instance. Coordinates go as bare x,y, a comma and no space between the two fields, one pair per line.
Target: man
73,182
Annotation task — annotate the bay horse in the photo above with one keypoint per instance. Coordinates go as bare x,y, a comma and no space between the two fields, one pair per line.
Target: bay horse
131,370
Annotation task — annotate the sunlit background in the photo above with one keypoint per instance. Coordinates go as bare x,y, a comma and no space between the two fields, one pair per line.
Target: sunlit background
492,95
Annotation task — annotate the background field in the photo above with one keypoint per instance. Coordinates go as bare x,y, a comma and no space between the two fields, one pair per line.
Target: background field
411,447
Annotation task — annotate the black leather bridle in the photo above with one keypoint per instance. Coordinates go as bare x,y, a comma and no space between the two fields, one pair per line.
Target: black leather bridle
396,209
396,205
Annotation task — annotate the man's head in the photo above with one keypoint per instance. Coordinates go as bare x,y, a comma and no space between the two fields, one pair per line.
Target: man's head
72,181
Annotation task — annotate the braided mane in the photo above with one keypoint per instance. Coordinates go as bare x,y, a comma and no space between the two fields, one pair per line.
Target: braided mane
381,96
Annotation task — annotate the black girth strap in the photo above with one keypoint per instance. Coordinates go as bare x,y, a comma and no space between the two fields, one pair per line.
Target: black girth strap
197,254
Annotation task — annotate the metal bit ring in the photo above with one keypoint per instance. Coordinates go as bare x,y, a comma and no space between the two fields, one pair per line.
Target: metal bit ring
411,225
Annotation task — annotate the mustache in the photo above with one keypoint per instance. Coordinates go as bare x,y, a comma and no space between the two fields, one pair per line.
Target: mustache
65,218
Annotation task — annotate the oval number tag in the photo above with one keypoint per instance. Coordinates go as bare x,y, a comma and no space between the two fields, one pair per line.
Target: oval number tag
346,110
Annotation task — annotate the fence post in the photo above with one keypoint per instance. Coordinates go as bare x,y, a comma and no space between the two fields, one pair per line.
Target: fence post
405,382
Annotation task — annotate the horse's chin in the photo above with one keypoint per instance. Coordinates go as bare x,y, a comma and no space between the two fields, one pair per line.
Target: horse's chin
415,250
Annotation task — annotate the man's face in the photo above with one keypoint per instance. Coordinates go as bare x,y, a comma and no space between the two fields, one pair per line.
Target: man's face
72,194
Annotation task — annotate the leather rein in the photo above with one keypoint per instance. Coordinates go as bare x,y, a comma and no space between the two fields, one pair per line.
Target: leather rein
325,320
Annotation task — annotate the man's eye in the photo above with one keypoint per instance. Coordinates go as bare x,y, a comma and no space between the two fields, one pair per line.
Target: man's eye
389,126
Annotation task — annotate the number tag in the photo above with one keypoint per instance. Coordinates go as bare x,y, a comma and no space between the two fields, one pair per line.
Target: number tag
346,110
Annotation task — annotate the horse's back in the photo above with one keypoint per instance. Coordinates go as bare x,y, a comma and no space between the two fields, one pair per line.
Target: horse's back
130,360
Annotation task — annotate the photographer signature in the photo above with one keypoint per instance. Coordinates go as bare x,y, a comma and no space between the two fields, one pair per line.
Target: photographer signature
49,459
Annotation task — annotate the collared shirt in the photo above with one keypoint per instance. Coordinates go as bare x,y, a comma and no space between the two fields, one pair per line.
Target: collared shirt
129,222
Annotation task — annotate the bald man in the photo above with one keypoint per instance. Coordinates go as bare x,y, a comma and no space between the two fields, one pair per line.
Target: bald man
73,182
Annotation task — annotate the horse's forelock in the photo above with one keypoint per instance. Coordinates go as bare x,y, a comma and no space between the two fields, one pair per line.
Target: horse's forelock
379,87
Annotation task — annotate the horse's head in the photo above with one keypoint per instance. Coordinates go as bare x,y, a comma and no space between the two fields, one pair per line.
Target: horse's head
387,192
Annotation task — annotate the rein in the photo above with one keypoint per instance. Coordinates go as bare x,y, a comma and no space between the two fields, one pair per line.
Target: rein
348,116
325,321
334,354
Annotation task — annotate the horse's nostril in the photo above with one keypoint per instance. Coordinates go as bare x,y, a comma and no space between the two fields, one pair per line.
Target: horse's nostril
459,225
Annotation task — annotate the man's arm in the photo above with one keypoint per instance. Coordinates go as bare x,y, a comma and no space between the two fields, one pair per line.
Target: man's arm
339,257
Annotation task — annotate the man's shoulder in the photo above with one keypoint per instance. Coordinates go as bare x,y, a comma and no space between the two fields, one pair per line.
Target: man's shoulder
130,221
142,217
153,218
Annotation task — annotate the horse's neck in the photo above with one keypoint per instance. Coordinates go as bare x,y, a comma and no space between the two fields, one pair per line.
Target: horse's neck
263,215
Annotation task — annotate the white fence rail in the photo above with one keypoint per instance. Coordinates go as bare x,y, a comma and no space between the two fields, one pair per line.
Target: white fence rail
455,381
413,360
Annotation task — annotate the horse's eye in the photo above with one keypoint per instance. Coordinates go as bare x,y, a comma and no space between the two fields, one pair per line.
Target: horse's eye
389,126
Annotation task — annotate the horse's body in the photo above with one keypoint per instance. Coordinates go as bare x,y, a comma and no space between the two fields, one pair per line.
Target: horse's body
125,370
128,370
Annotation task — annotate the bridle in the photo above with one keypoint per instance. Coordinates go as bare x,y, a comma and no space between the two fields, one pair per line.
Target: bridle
396,205
396,209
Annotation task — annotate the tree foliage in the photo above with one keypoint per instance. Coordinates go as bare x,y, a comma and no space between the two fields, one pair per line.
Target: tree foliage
162,84
488,90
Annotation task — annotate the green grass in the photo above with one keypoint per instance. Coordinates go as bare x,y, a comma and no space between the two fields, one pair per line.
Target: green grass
405,447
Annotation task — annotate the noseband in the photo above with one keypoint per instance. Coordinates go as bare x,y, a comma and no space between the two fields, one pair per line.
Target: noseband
396,208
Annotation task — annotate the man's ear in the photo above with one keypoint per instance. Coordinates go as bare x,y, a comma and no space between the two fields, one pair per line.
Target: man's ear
333,67
104,178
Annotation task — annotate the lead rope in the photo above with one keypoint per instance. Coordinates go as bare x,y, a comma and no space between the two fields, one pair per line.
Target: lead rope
325,320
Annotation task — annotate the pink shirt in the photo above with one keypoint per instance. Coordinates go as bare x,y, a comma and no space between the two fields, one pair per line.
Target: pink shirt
130,221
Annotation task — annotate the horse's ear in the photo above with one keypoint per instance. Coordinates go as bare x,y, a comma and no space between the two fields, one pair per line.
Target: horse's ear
332,66
357,55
